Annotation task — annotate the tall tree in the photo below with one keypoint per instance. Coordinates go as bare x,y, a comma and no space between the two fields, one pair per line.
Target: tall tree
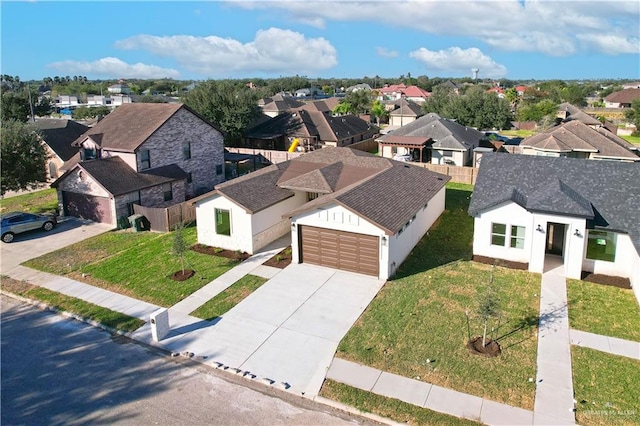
355,102
378,110
24,157
233,107
633,114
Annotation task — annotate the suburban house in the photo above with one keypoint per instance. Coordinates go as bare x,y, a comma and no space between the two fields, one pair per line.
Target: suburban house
119,89
307,92
587,213
344,208
312,129
622,98
568,112
404,112
578,140
432,139
399,91
154,155
57,136
277,104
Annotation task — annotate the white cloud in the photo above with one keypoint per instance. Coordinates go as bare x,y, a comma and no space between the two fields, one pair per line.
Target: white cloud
109,67
460,61
386,53
611,42
272,51
552,27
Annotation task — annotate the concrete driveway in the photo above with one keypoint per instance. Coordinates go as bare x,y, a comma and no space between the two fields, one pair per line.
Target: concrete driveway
288,330
36,243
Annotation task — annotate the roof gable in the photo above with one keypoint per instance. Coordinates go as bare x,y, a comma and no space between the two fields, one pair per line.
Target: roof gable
59,135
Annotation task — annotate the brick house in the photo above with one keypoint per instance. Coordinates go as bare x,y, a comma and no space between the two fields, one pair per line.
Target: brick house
154,155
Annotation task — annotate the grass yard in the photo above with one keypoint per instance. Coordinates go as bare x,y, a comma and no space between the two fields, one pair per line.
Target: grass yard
517,133
387,407
79,307
44,201
420,315
135,264
601,309
632,139
607,388
229,298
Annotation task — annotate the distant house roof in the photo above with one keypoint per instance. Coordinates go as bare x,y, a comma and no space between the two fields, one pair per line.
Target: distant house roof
625,96
129,125
279,103
577,136
59,134
446,134
118,178
385,192
323,105
322,125
407,108
359,86
408,91
603,192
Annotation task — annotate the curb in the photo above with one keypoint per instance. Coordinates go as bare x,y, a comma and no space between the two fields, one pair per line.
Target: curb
352,410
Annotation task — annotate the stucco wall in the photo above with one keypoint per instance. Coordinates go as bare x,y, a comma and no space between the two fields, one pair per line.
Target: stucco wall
400,245
207,149
81,182
626,254
241,234
460,158
510,214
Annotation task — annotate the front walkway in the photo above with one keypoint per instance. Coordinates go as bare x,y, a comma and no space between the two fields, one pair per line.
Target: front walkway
612,345
554,381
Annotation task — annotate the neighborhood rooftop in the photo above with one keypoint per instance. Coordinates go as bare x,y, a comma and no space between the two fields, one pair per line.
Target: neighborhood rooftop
603,192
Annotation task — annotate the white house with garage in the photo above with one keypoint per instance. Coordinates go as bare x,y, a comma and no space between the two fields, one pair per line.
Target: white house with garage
586,213
343,208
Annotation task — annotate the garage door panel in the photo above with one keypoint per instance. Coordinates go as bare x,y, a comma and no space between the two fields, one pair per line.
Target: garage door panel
88,207
340,250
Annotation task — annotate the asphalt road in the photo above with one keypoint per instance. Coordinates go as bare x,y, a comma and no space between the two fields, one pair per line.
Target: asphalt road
59,371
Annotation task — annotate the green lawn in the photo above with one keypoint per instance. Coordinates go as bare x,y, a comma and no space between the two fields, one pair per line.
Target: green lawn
601,309
135,264
387,407
517,133
606,388
632,139
229,298
79,307
44,201
420,315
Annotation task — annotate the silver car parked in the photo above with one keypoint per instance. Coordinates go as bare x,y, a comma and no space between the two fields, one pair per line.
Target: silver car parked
17,222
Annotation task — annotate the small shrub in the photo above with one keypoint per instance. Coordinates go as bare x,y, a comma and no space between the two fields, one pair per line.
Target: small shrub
279,258
218,250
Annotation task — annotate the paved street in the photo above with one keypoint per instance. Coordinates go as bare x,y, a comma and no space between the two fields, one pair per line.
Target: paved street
58,371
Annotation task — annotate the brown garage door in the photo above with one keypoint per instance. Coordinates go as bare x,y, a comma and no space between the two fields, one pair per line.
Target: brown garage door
89,207
339,249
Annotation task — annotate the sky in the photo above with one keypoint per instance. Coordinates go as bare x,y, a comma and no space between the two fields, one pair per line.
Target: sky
513,39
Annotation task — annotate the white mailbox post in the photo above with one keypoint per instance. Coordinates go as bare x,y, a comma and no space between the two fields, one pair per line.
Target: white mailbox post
159,324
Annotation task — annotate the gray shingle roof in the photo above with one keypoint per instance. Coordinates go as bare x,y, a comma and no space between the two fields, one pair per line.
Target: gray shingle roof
445,133
59,134
118,178
604,192
386,192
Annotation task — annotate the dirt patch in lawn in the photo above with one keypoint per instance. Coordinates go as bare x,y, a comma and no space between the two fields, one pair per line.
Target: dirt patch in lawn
182,275
280,260
217,251
606,280
500,262
490,349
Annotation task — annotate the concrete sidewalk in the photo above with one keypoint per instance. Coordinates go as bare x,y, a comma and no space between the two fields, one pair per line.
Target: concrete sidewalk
98,296
427,395
554,381
607,344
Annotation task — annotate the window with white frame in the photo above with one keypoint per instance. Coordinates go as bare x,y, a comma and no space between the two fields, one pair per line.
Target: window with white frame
498,234
223,222
502,233
517,236
601,245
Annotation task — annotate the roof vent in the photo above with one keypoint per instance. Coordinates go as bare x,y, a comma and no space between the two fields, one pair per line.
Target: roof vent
406,166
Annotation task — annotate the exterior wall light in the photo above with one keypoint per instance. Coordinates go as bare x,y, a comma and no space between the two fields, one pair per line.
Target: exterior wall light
384,240
539,229
577,233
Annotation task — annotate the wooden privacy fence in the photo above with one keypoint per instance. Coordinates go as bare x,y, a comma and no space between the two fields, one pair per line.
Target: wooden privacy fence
165,219
458,174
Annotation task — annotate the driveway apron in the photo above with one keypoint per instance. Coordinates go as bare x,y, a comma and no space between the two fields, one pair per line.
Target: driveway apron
287,330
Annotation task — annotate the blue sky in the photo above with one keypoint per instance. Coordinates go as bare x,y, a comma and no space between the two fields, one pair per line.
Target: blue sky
513,39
